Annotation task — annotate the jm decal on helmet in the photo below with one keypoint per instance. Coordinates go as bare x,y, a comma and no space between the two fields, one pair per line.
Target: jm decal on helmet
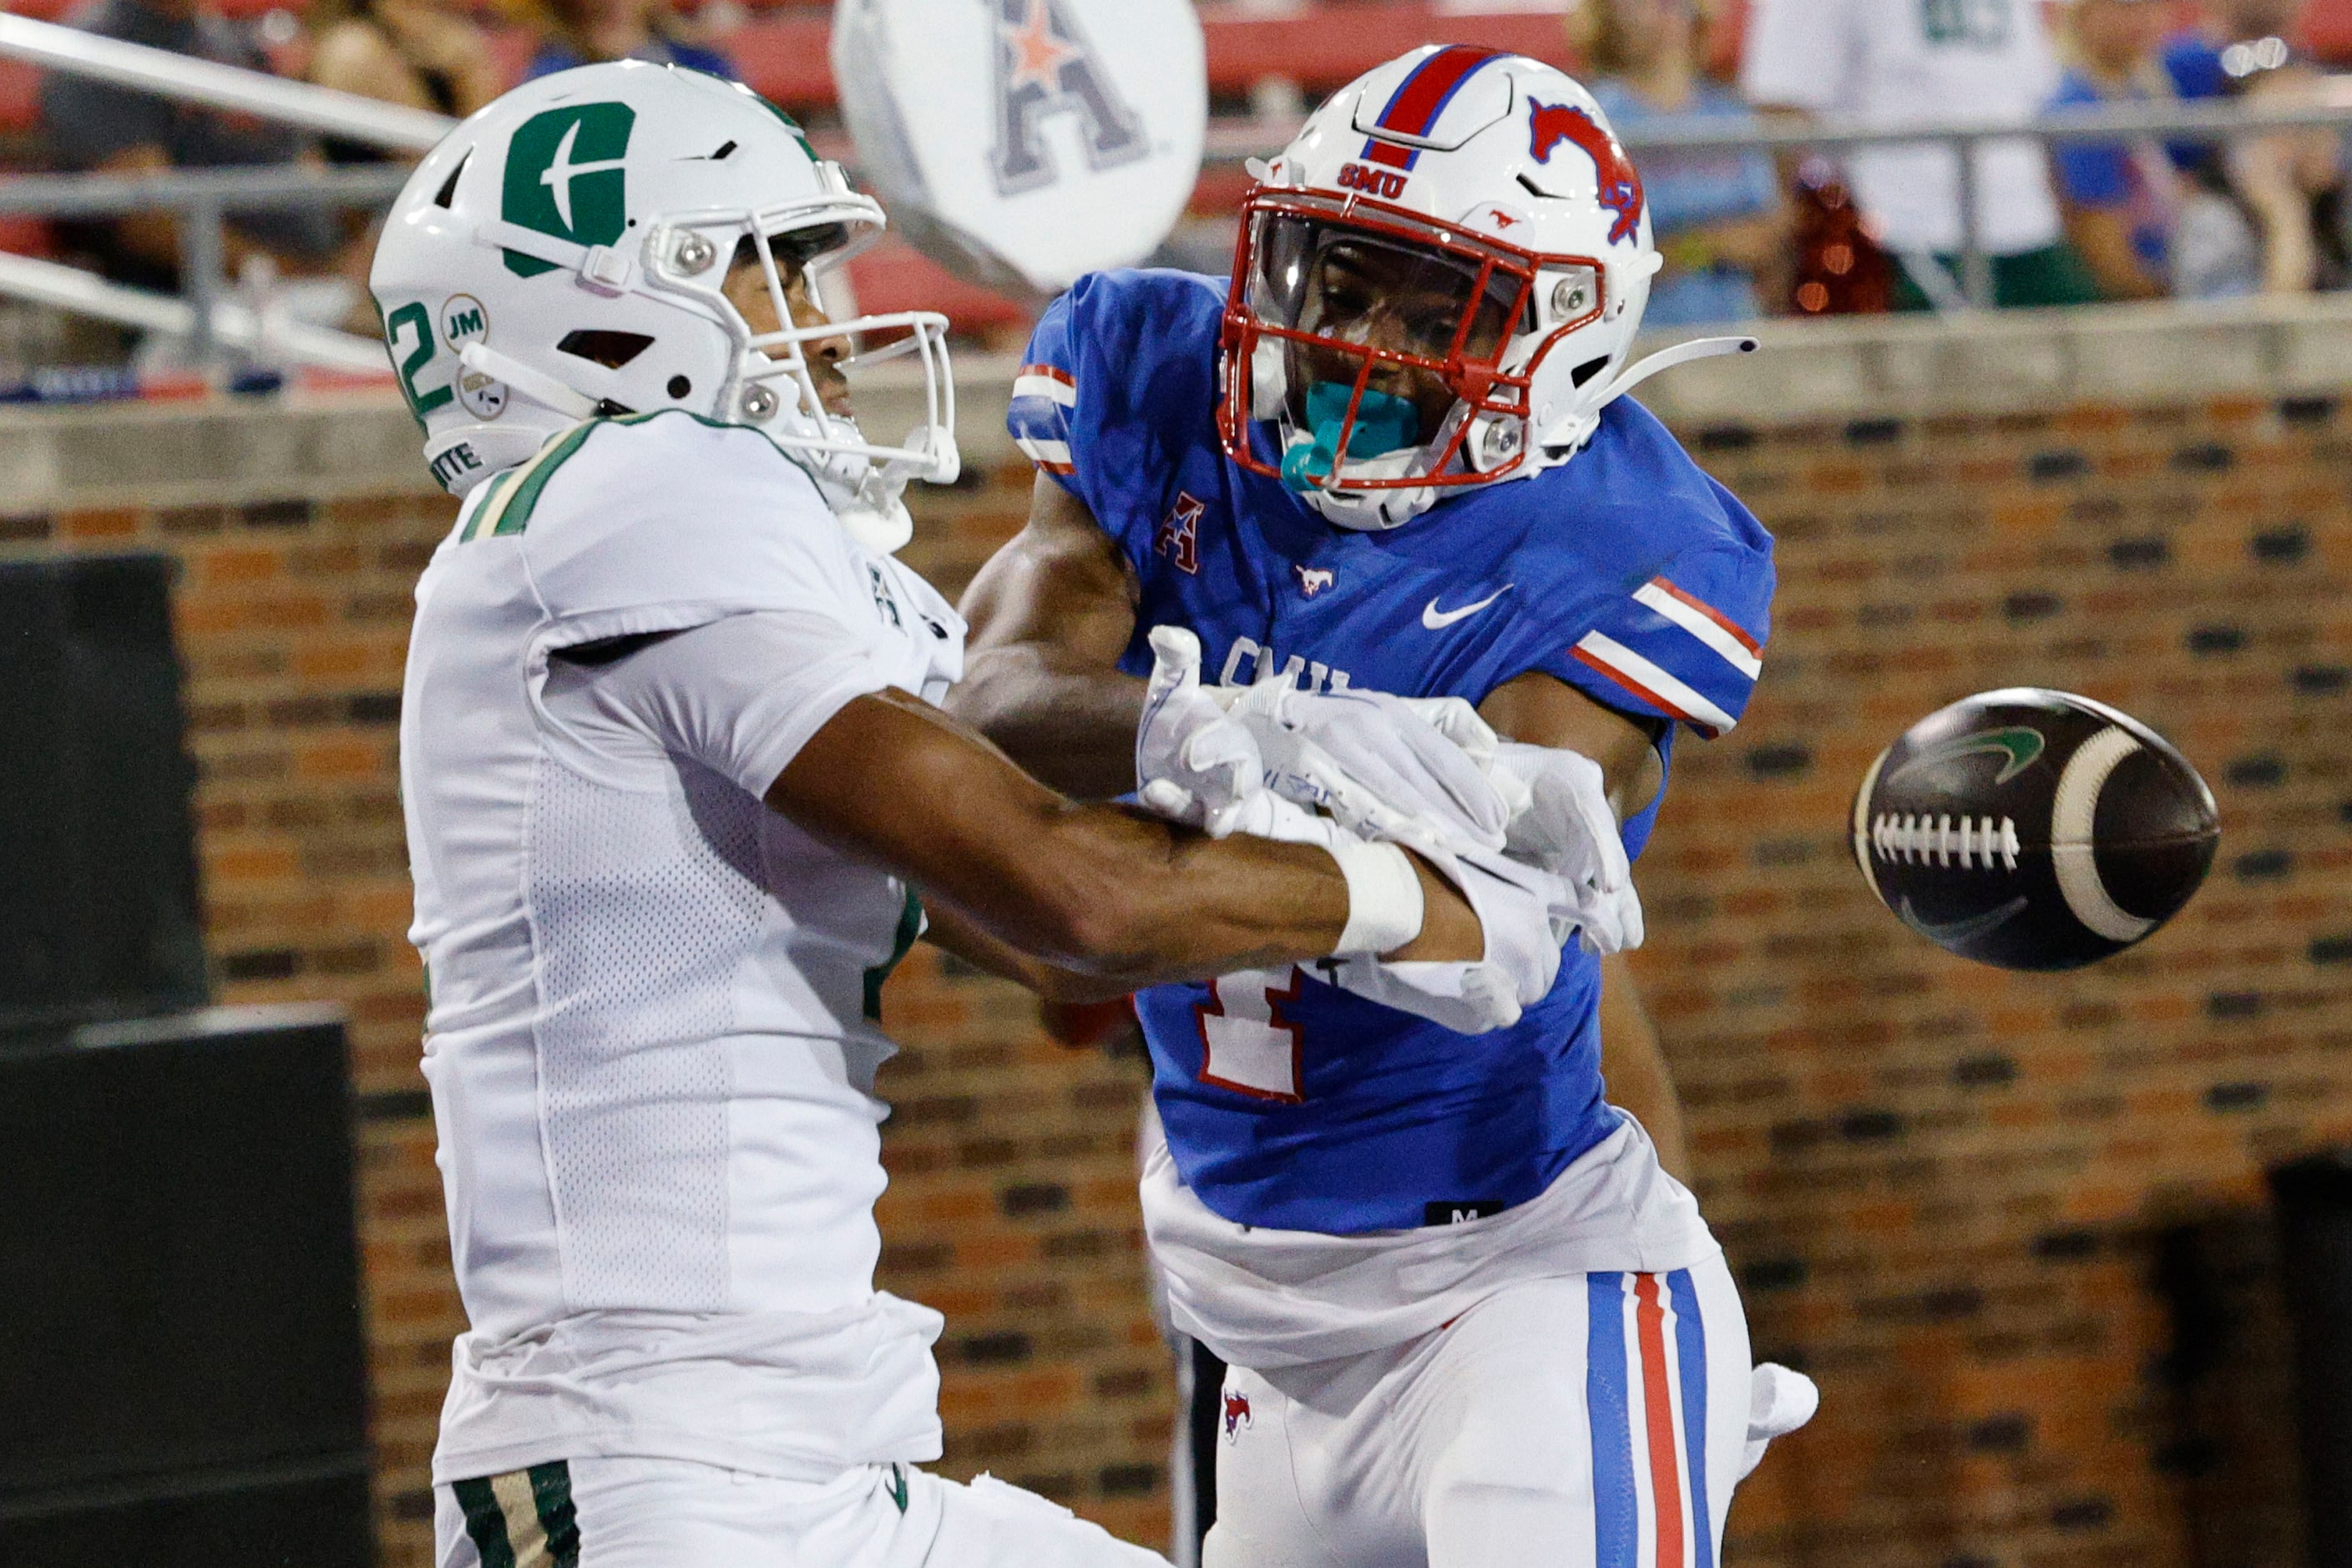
564,254
1437,285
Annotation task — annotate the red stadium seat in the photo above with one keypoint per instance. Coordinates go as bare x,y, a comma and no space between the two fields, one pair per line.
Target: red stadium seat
784,55
894,276
783,52
1327,46
24,235
20,97
2328,29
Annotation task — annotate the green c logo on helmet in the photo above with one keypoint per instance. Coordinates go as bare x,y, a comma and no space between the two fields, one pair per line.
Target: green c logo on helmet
565,177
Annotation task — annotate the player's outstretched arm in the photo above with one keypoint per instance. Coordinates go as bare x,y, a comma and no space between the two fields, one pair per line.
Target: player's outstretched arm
952,930
1092,889
1051,613
1543,710
1539,709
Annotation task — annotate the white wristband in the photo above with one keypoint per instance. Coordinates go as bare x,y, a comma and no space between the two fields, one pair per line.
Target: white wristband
1385,903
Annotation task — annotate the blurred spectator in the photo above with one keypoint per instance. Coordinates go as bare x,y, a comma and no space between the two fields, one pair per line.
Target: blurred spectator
1720,218
1892,62
96,126
2122,200
584,32
2193,57
2288,187
423,54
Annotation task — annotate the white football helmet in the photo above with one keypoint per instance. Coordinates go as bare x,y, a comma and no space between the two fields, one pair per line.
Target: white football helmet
562,253
1436,285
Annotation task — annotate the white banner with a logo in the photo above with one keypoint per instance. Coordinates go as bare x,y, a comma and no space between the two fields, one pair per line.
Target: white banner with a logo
1025,142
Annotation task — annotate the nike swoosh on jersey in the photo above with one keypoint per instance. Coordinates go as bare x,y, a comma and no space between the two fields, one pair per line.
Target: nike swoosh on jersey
1437,620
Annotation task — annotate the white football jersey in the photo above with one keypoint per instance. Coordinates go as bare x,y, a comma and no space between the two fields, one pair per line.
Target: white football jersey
649,1040
1888,63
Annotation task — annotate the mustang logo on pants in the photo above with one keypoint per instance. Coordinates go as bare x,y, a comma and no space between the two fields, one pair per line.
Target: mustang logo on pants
1237,1413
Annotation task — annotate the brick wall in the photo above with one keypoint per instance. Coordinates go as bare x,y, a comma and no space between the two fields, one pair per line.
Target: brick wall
2014,1222
2013,1225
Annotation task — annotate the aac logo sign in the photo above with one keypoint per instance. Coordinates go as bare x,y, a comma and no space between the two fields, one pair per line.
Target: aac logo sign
1045,66
1027,142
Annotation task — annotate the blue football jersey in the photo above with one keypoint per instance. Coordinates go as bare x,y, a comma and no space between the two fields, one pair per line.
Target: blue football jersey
1628,573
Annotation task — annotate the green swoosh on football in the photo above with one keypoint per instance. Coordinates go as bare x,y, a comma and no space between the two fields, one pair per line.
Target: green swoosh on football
2018,745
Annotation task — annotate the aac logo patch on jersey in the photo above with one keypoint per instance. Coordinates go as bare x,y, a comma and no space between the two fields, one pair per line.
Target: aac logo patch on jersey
1179,538
566,177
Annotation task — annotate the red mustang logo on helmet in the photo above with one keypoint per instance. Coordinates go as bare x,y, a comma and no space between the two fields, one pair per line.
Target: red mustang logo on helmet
1549,124
1237,1413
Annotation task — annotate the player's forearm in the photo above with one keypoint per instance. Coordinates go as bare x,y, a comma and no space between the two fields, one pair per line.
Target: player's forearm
1071,726
1634,1064
1093,888
1123,897
1137,899
953,931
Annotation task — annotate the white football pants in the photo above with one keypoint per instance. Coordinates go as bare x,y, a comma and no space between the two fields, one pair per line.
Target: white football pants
670,1513
1594,1421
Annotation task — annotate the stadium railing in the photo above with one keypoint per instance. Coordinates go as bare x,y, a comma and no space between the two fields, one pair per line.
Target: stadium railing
201,199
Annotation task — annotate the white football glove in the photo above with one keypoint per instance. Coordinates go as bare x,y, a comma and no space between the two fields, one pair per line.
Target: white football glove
1569,829
1407,769
1778,1401
1193,763
1524,913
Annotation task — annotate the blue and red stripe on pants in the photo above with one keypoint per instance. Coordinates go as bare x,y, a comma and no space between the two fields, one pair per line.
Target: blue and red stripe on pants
1647,1346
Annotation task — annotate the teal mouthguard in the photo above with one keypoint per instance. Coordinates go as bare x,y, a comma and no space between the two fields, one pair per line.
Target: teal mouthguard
1385,424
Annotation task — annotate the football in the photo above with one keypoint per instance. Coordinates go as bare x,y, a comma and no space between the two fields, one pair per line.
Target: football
2033,829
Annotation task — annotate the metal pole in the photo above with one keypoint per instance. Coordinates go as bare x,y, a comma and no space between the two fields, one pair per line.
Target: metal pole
188,81
1976,267
202,269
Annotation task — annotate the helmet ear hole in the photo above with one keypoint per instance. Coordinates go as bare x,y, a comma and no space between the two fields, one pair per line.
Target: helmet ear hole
680,387
612,349
1588,370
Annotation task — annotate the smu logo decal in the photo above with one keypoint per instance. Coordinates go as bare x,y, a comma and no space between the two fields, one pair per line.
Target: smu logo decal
1237,1413
1312,580
1386,183
1549,124
1179,537
1044,66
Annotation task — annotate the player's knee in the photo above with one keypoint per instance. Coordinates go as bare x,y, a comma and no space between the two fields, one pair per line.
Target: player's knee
1477,1522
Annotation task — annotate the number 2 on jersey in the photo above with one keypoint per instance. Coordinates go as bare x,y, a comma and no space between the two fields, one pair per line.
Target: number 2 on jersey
1247,1043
